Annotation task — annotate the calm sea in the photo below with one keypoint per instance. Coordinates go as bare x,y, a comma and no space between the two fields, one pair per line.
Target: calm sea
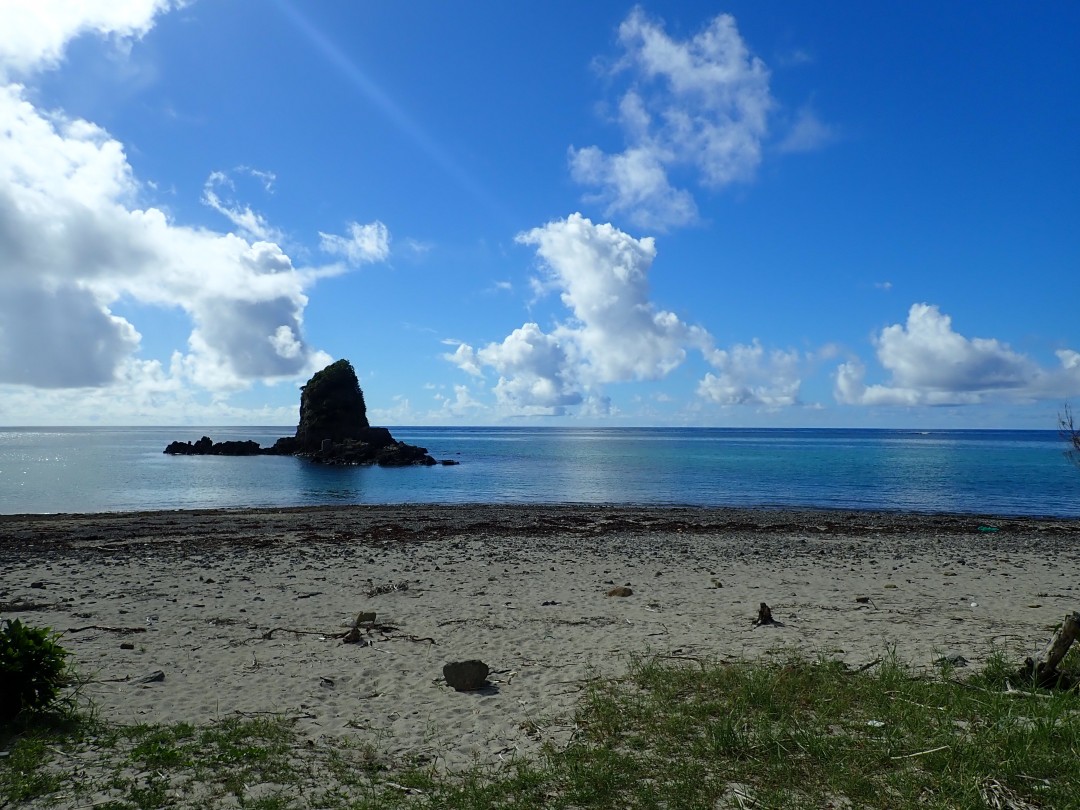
113,469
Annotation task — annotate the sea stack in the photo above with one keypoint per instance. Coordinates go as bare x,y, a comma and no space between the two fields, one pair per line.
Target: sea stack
331,407
333,429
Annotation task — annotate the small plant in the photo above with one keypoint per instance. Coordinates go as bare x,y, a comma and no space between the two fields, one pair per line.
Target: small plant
1069,431
33,668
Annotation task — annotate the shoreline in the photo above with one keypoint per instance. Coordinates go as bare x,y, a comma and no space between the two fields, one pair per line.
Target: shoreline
524,588
549,517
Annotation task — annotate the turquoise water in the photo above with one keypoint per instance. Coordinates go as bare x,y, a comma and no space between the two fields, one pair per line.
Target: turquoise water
115,469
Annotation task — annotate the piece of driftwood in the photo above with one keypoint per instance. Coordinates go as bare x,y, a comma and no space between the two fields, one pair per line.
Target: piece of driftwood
765,617
391,587
1044,671
121,630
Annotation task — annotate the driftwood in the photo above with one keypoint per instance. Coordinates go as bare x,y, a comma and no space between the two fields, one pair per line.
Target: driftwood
121,630
765,617
1044,671
391,587
23,605
364,622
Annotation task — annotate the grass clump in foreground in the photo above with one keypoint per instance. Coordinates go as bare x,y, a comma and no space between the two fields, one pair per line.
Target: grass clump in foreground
671,733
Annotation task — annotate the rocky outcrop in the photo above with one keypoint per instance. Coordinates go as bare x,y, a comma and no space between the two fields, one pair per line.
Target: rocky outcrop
331,407
333,429
207,447
371,445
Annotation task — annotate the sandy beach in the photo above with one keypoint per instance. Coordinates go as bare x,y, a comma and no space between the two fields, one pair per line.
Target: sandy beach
244,611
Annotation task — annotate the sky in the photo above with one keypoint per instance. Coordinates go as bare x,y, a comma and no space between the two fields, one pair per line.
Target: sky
781,214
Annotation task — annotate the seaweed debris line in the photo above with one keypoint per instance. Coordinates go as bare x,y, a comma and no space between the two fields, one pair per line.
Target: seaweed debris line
333,429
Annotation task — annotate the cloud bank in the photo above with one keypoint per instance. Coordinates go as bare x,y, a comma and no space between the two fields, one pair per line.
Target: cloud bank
931,364
77,244
613,333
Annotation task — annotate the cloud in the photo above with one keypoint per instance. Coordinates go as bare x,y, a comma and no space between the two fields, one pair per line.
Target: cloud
794,57
364,244
464,357
417,247
700,104
931,364
613,332
66,325
634,182
751,376
535,375
145,393
35,32
250,223
460,405
75,242
808,133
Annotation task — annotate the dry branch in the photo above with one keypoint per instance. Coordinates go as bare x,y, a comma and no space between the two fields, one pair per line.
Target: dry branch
1044,671
121,630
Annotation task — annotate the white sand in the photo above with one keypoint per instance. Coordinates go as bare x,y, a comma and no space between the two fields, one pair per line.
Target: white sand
204,588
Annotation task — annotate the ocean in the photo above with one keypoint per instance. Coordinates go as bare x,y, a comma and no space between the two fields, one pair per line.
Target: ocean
50,470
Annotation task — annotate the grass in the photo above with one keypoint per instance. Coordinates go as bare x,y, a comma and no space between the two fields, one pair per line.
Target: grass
670,734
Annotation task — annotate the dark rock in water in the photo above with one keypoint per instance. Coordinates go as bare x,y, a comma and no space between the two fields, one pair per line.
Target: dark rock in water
331,407
285,446
333,429
207,447
466,676
371,445
181,449
235,448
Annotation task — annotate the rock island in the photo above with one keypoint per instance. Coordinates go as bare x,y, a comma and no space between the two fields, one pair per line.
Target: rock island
333,429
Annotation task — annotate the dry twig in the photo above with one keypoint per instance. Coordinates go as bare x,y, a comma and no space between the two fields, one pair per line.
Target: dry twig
120,630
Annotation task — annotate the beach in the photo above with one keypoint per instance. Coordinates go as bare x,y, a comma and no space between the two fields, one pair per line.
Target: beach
199,615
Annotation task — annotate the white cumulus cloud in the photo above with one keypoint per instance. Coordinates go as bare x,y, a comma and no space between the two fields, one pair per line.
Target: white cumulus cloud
77,241
931,364
34,33
535,375
750,375
701,104
464,357
613,332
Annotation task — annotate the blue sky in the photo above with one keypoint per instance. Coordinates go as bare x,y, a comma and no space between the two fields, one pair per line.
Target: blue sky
775,214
